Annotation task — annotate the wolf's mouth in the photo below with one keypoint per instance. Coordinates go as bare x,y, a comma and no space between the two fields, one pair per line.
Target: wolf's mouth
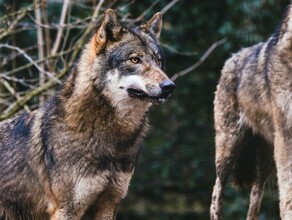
140,94
137,93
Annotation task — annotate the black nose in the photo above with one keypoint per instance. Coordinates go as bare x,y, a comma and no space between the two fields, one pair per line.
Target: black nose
167,87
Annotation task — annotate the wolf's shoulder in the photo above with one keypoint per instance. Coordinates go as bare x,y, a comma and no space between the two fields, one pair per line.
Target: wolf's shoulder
16,127
253,56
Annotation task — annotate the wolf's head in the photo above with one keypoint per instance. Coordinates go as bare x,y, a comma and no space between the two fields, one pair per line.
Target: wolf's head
127,65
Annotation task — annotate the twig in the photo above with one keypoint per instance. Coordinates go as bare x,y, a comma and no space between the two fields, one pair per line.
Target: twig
20,15
60,30
47,33
96,10
67,31
40,43
202,59
142,15
13,92
28,65
15,79
30,60
173,50
168,6
11,57
80,23
19,103
4,102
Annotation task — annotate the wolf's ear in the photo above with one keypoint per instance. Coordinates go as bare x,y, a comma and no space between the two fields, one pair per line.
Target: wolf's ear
154,25
110,29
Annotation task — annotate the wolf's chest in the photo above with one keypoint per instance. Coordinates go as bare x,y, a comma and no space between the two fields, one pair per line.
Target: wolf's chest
88,190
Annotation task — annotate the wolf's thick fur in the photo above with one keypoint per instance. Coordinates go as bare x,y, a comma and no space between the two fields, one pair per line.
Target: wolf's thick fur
74,157
253,121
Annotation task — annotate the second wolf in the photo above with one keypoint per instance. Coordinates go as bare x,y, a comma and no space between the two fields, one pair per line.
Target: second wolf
253,121
74,157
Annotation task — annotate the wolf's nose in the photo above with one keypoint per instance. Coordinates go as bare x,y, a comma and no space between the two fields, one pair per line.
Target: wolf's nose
167,87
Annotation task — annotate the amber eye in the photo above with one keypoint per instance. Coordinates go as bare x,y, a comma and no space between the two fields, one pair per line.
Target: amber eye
159,62
135,60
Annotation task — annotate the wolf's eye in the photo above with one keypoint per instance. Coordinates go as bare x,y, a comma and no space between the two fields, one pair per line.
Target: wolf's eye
159,62
135,60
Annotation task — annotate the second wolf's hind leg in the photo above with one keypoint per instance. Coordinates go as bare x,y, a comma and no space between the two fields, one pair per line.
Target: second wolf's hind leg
228,134
255,200
225,155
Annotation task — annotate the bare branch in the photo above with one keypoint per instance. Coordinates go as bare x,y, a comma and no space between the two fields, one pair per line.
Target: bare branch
40,43
168,6
80,23
61,29
202,59
19,103
15,79
28,65
13,92
97,10
142,15
20,15
51,75
173,50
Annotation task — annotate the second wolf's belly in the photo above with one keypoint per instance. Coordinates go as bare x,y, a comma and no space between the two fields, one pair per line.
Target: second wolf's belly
256,111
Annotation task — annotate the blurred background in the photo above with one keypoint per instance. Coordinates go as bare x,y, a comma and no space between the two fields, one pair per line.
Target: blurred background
41,39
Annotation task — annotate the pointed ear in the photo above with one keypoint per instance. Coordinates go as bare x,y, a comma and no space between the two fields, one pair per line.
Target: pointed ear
154,25
110,29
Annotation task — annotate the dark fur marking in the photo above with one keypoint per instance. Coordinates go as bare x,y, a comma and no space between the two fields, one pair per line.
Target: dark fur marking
269,49
22,127
45,137
122,164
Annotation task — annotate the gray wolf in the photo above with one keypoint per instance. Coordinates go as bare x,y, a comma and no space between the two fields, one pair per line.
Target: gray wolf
74,157
253,121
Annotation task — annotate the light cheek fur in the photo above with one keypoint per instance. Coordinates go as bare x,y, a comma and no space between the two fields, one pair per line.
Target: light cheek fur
116,91
117,85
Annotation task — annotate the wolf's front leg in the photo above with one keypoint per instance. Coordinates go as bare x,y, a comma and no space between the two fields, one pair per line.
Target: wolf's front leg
283,155
64,214
102,210
107,212
283,159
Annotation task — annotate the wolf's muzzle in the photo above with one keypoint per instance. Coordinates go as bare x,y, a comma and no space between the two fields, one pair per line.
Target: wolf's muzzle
156,95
